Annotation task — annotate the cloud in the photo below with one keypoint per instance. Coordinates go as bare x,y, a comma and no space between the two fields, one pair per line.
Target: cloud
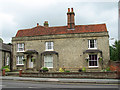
7,26
21,14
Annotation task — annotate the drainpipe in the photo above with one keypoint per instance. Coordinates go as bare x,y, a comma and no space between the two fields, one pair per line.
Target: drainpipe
4,58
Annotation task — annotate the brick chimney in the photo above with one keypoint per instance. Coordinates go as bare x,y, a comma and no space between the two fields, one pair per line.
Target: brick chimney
70,19
46,24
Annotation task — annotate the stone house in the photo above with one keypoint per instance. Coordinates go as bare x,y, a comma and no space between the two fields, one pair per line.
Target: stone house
70,47
5,54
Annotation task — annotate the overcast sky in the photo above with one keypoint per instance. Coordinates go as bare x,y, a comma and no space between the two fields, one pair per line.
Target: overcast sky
23,14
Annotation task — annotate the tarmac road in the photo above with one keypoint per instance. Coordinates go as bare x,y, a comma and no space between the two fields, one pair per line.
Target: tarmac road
55,85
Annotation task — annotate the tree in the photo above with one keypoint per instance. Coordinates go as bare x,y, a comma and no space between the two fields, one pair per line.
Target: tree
115,51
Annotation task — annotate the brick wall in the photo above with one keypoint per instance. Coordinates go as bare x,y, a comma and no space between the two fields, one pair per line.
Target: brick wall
114,65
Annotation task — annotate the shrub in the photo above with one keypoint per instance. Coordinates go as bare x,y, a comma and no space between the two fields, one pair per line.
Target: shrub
67,71
104,70
100,59
84,69
108,69
61,70
45,69
5,67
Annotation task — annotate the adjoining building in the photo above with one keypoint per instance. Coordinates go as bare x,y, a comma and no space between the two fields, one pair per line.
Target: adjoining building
5,54
71,47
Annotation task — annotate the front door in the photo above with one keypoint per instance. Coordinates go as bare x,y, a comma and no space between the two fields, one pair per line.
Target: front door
30,62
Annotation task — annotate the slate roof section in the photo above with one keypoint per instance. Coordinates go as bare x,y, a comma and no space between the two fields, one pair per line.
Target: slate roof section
41,30
5,47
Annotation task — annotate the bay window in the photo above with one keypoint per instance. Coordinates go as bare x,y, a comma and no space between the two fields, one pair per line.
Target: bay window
93,61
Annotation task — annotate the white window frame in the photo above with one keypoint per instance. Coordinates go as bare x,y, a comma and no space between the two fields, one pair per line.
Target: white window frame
93,60
22,47
47,45
95,44
8,60
47,62
18,60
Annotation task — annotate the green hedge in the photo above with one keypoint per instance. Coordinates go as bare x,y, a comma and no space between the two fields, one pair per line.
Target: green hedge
7,68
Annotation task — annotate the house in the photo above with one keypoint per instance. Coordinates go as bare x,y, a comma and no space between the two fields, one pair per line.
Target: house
70,47
6,54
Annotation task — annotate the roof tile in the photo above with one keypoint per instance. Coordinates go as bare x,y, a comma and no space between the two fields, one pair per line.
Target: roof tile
41,30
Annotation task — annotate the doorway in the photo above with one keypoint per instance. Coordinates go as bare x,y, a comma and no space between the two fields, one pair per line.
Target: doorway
29,62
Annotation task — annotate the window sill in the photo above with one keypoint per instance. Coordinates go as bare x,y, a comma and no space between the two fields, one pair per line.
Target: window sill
20,51
20,65
92,48
49,67
49,50
93,67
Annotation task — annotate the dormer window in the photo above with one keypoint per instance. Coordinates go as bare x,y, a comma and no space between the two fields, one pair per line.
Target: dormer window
92,44
49,46
20,47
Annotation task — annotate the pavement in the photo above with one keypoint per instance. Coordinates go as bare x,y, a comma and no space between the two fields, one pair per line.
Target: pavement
63,80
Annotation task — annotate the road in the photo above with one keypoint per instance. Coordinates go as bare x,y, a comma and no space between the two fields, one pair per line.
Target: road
54,85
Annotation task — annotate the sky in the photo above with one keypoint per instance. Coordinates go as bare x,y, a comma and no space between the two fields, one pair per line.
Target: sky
23,14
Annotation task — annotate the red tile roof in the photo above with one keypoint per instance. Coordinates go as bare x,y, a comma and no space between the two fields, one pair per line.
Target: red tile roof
41,30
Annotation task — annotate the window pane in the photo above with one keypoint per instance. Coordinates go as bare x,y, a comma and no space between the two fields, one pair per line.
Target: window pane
90,63
89,57
48,61
17,60
95,57
7,63
91,43
20,45
95,63
92,57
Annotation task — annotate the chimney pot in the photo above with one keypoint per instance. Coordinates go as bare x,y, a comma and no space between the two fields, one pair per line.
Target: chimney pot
68,9
37,24
71,9
46,24
46,21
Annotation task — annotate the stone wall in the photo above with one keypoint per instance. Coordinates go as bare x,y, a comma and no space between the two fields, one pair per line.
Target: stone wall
100,75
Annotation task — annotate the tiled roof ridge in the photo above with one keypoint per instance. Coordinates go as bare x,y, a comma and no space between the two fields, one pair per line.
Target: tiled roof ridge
60,26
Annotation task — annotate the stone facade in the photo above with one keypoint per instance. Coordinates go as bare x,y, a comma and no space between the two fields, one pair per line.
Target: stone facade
70,48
